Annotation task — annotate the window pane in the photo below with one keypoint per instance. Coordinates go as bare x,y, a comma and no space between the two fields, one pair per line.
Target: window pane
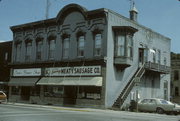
39,50
18,52
176,75
51,49
129,46
81,46
98,40
66,48
120,45
28,51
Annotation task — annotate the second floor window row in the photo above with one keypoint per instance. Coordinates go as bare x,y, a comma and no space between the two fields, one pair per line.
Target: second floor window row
97,48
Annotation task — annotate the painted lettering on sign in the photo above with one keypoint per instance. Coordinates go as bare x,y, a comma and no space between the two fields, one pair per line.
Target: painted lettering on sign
73,71
27,72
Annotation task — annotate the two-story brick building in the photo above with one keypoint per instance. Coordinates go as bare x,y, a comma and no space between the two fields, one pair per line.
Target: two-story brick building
88,58
5,58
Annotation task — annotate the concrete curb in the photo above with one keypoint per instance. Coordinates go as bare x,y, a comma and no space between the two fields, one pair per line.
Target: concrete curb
52,107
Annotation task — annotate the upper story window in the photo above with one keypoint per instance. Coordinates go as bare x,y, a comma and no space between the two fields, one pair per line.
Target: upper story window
97,44
129,46
176,75
146,54
39,49
165,61
28,51
81,44
159,56
120,45
51,52
6,56
18,52
154,56
124,41
66,44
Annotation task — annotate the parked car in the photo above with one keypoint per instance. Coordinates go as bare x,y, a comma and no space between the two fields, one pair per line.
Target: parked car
3,97
158,105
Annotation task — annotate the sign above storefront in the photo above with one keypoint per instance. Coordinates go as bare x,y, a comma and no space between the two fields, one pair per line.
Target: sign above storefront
27,72
74,71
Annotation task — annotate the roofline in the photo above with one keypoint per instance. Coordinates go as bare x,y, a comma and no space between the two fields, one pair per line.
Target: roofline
134,22
53,20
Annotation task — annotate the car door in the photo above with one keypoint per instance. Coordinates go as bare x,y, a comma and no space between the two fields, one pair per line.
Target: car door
142,106
152,105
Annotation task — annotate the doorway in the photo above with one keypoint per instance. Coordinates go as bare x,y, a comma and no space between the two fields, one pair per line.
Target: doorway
141,56
25,93
70,95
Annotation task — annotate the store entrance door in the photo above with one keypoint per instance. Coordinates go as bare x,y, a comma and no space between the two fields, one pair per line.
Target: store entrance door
25,93
70,95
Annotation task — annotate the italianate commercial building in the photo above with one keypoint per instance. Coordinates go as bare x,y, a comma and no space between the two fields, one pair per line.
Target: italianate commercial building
95,58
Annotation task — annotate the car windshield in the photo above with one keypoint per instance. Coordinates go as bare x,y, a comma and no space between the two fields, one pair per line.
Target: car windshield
165,102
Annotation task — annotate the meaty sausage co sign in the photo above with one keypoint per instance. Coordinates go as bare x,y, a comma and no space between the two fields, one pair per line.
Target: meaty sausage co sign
73,71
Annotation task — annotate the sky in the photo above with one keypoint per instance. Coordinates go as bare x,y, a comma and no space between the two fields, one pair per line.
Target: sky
162,16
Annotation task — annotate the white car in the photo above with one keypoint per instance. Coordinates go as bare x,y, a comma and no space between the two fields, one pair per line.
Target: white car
158,105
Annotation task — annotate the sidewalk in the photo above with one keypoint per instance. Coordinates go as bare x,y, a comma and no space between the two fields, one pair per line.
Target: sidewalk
59,107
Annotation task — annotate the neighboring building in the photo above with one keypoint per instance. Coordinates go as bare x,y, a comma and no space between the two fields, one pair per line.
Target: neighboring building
5,58
88,58
175,77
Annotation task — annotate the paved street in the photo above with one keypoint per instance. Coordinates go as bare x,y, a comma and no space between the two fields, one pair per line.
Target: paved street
21,112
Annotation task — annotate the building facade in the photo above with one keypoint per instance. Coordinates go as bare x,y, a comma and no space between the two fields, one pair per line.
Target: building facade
5,59
175,80
88,58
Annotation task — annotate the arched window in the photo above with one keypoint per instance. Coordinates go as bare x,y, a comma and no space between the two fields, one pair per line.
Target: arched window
28,54
66,41
51,53
80,44
18,52
39,49
97,44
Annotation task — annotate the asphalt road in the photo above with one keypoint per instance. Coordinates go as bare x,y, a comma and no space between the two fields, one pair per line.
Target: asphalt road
21,112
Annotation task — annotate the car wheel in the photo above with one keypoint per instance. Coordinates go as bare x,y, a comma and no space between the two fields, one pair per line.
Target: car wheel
159,110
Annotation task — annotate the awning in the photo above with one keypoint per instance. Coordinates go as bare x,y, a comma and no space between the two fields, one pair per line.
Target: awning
23,81
3,82
71,81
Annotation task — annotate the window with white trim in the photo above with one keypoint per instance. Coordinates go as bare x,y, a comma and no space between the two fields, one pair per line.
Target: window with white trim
28,51
66,47
39,50
129,46
81,44
97,44
52,49
120,45
18,52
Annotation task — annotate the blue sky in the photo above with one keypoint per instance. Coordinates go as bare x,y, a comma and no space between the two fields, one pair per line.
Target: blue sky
162,16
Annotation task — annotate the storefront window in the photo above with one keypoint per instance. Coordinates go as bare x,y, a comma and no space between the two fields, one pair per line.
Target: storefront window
89,93
15,90
35,91
53,91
